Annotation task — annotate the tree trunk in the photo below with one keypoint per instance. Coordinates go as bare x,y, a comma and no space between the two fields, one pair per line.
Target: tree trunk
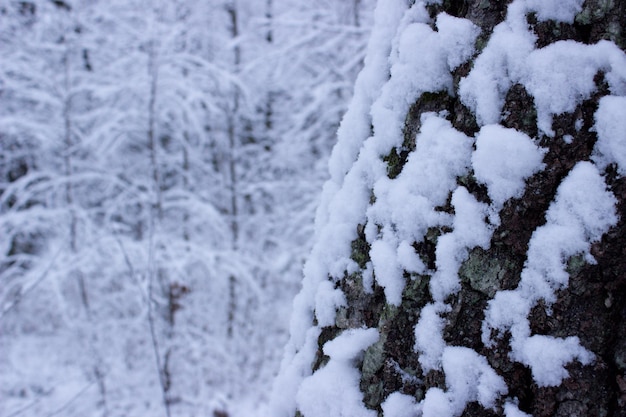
442,325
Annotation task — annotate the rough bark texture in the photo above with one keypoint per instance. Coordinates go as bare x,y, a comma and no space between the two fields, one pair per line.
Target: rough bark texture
593,307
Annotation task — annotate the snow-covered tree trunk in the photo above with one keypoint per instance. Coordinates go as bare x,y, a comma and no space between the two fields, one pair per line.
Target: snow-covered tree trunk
470,256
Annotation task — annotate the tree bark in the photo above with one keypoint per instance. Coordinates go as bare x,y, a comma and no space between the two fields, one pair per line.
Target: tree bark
592,307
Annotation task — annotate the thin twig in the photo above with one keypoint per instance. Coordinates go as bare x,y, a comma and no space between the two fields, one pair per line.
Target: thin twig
67,404
29,289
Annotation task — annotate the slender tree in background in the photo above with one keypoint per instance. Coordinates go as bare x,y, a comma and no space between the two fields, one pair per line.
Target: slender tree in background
159,171
469,257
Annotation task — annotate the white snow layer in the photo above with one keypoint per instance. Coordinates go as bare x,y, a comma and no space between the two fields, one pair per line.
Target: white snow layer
504,158
469,230
581,213
561,11
511,410
355,126
399,405
327,300
405,206
429,336
333,391
406,58
387,271
558,76
469,378
343,204
611,128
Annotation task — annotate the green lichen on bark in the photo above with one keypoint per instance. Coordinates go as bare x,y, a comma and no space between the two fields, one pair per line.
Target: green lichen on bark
391,364
603,19
374,358
373,361
575,264
593,11
395,162
363,307
484,272
360,249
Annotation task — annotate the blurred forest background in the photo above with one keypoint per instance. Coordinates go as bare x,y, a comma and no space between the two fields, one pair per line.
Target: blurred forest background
160,165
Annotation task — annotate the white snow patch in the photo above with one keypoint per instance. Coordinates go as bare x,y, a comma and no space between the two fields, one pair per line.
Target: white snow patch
611,128
408,259
387,271
559,77
368,278
441,154
561,11
333,391
470,230
578,124
503,159
327,300
356,123
406,205
496,69
582,211
399,405
547,356
509,310
422,63
512,410
469,377
429,341
350,344
296,365
437,404
456,37
433,53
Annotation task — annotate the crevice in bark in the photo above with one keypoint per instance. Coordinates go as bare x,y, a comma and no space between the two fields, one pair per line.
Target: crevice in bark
328,333
519,111
391,364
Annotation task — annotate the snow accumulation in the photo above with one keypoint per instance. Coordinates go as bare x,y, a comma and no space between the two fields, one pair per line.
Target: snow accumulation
559,76
504,158
356,122
338,382
581,213
511,410
406,58
405,207
399,405
327,300
611,128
